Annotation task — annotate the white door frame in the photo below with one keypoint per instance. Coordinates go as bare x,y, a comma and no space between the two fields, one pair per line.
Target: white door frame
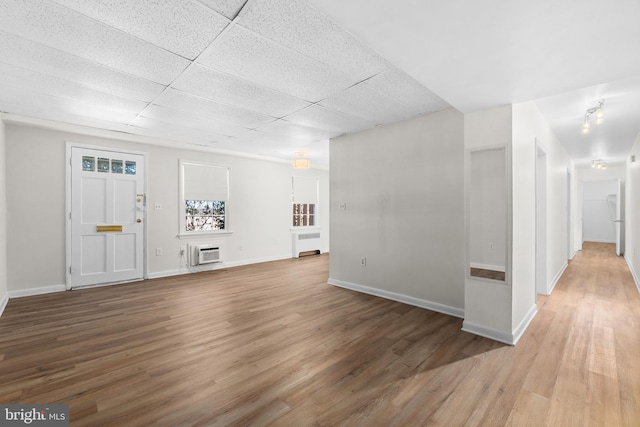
69,147
541,220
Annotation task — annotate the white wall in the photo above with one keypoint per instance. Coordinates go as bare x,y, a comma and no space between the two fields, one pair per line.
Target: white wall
632,212
260,205
4,296
488,303
403,186
531,127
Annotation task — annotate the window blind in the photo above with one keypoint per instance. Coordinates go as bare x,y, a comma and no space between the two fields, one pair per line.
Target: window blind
205,182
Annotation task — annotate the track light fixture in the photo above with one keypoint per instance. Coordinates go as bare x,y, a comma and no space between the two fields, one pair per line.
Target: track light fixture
599,112
598,164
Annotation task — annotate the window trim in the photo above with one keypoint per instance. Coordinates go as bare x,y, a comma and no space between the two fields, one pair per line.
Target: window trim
182,211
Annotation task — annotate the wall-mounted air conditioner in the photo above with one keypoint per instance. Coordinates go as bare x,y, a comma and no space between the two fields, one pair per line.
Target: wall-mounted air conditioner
204,254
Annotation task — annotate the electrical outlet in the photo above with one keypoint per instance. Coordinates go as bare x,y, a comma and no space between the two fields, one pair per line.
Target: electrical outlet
363,261
157,206
158,251
343,206
183,250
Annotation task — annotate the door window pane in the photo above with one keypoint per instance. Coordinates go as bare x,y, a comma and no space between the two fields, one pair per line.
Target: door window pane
116,166
88,163
103,164
130,168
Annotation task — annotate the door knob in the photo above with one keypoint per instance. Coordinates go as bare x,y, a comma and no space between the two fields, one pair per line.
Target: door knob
138,220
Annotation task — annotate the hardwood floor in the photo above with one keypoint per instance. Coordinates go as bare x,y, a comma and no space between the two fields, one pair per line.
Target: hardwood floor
273,344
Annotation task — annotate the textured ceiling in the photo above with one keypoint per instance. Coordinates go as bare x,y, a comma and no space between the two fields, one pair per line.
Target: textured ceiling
565,55
268,77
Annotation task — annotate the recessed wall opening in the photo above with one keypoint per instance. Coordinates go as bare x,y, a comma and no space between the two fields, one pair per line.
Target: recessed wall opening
488,214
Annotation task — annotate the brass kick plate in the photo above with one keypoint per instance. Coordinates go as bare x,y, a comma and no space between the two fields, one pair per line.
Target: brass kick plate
108,228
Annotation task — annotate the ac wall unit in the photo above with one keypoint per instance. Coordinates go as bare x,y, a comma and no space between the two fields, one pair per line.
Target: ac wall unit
305,242
205,254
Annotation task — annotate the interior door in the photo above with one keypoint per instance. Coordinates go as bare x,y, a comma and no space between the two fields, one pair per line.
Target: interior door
107,210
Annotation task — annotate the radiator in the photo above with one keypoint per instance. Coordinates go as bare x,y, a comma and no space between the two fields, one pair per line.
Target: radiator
204,254
306,241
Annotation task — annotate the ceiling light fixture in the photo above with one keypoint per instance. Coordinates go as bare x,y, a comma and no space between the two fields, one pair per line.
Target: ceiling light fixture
301,162
598,164
599,112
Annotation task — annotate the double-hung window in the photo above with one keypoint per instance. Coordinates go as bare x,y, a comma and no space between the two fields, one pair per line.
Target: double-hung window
304,195
204,197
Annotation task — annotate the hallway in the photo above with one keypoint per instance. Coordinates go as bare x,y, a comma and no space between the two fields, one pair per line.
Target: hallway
587,370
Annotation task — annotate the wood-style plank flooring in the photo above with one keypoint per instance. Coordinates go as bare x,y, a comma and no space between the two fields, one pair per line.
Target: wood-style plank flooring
273,344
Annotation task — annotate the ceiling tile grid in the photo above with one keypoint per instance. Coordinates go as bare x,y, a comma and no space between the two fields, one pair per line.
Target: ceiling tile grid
227,89
30,55
249,56
227,8
53,25
300,27
404,89
36,101
207,109
363,101
320,117
183,27
44,84
186,119
280,76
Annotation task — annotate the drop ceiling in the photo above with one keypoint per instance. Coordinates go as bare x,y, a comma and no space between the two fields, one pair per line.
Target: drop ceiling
276,77
272,78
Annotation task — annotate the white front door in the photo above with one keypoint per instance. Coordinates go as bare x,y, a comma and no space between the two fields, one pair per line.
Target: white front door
107,210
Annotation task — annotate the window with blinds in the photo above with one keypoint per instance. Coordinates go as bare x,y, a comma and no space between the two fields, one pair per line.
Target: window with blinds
204,194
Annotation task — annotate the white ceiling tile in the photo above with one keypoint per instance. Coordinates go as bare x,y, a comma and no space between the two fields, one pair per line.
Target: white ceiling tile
37,57
157,128
364,101
297,25
320,117
40,83
244,54
401,87
227,89
64,117
228,8
56,26
283,128
185,119
212,110
62,107
182,27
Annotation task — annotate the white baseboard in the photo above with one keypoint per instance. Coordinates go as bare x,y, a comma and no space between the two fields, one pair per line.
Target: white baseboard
3,303
487,267
418,302
633,272
573,254
490,333
524,324
503,337
556,278
598,241
214,266
37,291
